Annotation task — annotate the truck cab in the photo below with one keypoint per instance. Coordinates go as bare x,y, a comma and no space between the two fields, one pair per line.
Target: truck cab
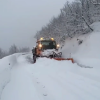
45,44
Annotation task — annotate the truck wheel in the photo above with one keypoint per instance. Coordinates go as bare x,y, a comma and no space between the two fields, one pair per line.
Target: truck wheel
34,58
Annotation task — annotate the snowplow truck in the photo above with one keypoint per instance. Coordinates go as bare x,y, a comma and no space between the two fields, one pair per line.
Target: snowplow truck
47,48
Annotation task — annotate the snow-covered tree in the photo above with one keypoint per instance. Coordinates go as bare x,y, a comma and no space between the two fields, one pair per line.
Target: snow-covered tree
75,18
24,49
1,53
13,49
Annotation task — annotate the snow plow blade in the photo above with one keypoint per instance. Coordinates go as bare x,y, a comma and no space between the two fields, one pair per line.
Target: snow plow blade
59,59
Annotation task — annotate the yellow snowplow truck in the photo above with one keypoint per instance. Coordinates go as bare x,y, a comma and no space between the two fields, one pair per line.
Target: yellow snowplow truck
47,48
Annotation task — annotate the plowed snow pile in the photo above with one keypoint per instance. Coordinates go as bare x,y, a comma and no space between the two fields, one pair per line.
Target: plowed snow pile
49,79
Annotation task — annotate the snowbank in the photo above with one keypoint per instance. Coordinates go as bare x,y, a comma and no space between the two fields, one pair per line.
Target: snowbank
88,51
6,64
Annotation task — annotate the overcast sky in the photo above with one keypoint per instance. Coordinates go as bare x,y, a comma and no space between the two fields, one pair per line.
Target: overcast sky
21,19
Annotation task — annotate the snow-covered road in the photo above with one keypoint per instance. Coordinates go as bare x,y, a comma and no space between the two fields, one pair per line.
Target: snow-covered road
51,80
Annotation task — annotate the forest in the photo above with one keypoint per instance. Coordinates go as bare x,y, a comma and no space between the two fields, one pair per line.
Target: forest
74,19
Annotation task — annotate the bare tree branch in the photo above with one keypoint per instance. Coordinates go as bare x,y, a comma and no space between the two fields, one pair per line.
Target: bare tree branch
87,24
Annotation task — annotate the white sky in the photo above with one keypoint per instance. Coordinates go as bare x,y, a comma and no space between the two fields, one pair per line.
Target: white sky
21,19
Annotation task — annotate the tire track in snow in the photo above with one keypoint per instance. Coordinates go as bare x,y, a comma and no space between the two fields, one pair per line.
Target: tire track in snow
76,86
87,76
82,77
68,87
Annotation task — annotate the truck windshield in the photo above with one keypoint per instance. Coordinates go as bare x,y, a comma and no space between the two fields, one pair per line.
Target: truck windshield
48,44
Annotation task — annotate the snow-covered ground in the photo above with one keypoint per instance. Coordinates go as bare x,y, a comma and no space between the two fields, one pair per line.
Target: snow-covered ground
49,79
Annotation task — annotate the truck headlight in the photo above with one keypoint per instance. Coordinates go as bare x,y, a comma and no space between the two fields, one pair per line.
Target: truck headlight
40,45
58,45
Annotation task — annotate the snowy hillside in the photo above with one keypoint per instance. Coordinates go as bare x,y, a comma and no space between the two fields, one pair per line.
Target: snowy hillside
49,79
88,51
